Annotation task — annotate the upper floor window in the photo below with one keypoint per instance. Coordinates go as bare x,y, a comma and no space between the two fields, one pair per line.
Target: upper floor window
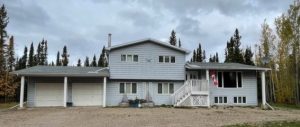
129,58
165,88
166,59
230,79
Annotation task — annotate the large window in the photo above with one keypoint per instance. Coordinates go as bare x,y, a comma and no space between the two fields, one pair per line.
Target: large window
166,59
230,79
129,58
128,88
165,88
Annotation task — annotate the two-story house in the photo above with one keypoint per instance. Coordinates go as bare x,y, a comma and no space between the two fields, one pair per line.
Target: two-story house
143,68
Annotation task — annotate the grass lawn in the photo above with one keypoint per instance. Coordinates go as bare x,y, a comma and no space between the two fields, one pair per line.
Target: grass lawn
7,105
286,106
270,124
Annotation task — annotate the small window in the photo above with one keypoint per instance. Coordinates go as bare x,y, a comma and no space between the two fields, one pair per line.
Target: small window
171,88
172,59
129,58
244,99
159,88
161,59
225,99
123,57
133,88
216,100
135,58
234,99
239,100
167,59
220,100
122,88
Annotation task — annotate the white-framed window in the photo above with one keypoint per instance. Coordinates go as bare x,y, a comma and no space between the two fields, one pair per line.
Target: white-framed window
230,79
220,100
128,88
239,100
165,88
129,58
166,59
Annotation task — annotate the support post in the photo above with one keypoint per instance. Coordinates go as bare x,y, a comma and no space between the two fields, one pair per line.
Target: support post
104,93
208,97
65,91
22,92
263,89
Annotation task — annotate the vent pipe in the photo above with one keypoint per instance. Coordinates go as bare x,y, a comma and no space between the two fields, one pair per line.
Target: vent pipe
109,40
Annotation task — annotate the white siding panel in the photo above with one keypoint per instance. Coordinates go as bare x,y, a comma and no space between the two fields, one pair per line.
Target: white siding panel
249,90
148,66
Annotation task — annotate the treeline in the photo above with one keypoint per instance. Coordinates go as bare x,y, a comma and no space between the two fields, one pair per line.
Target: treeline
279,50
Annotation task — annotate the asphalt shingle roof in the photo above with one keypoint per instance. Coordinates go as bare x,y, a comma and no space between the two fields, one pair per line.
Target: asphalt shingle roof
223,66
63,71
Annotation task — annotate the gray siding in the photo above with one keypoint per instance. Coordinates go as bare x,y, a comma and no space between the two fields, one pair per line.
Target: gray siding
114,97
148,66
249,90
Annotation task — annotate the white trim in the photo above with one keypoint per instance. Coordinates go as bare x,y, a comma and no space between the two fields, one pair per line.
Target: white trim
65,91
218,100
22,92
237,100
263,89
125,90
104,92
168,84
164,57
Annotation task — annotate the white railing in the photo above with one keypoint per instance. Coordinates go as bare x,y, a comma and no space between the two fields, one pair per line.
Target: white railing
189,86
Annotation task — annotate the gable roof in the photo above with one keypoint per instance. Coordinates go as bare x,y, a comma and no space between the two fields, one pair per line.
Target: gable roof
223,66
145,41
63,71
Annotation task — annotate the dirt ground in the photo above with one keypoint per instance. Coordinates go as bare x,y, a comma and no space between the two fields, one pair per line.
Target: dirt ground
146,117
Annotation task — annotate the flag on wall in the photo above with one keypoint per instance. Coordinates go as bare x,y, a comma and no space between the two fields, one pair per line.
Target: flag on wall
213,77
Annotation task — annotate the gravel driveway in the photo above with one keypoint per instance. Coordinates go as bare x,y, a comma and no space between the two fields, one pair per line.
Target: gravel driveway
131,117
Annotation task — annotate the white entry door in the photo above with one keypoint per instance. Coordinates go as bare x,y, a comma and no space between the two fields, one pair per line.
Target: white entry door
87,94
49,94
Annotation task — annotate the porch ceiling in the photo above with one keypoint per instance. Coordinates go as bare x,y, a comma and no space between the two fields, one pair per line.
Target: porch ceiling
223,66
63,71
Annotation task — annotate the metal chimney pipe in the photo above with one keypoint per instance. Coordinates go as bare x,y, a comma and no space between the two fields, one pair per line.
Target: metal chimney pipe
109,40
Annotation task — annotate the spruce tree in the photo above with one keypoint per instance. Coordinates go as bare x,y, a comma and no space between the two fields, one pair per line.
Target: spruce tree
58,62
65,56
199,57
203,56
217,57
194,56
87,62
233,53
79,63
11,54
248,56
173,40
38,54
31,56
94,63
3,37
23,60
179,43
102,62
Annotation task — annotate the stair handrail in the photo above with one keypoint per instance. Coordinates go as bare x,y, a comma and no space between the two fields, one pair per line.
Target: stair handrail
186,88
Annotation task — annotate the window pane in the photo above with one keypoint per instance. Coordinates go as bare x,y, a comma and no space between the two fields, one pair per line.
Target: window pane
172,59
240,100
134,87
129,57
161,59
167,59
244,99
135,58
220,99
128,87
216,99
159,89
165,88
122,88
171,88
229,79
123,57
234,99
220,79
240,79
225,99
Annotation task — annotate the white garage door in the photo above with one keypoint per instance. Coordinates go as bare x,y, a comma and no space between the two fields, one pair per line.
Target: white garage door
87,94
49,94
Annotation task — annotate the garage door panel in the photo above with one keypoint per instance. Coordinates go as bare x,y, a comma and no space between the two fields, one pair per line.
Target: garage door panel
49,94
87,94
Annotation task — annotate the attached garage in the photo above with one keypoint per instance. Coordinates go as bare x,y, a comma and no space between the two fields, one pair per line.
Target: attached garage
49,94
87,94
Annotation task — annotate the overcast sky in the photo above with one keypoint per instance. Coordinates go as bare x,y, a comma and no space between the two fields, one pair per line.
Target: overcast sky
83,26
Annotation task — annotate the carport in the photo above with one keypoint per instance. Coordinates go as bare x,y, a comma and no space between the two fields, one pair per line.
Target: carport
63,86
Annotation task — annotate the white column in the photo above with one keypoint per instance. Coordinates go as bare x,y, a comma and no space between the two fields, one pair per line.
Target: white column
263,89
208,97
104,92
22,91
65,91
